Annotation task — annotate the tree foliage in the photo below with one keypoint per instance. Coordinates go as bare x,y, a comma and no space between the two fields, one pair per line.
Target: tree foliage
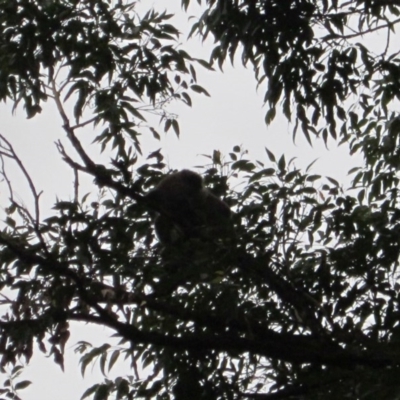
302,303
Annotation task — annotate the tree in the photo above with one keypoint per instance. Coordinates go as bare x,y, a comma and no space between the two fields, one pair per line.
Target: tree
302,303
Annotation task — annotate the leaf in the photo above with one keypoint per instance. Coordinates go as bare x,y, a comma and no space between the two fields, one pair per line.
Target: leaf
58,357
270,115
31,111
185,4
10,222
291,175
186,99
199,89
102,392
133,110
270,155
91,355
193,72
89,391
113,359
313,178
282,163
167,125
22,385
78,108
216,157
103,360
307,190
123,389
334,181
155,133
361,196
16,370
175,126
243,165
353,170
261,174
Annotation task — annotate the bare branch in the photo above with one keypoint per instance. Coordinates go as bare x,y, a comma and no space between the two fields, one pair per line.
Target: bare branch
4,174
69,160
70,131
89,121
32,187
76,185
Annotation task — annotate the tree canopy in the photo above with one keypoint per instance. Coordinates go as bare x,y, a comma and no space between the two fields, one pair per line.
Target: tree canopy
302,301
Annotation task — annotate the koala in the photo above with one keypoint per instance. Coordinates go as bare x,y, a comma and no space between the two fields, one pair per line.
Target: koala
187,209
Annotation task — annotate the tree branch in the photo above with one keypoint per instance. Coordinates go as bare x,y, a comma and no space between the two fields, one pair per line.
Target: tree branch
285,347
32,187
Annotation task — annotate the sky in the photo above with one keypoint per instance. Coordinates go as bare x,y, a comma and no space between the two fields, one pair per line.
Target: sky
233,115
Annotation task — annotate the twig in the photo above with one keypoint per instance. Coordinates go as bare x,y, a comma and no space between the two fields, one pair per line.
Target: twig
76,185
73,164
3,173
36,195
70,131
83,123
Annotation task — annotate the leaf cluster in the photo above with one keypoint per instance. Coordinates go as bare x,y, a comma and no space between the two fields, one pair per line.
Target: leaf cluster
310,56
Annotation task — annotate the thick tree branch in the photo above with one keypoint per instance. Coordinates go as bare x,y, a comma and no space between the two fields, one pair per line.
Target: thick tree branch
285,347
